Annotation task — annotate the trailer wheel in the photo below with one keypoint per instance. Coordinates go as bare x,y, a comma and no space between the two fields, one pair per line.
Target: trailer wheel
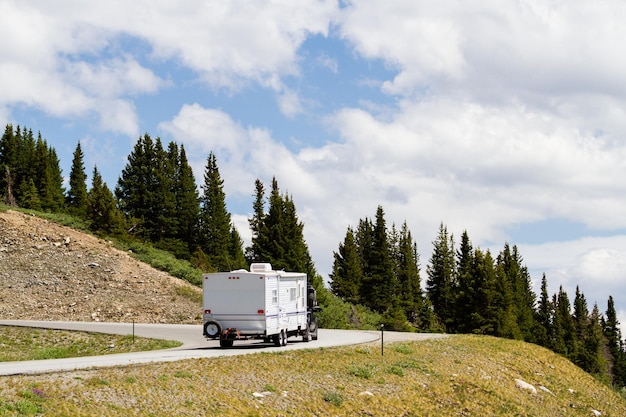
313,328
283,336
226,343
306,336
212,329
277,339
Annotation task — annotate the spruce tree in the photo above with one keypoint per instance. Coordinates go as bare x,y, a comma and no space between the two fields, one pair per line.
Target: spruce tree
145,191
379,282
523,299
187,202
441,282
408,277
615,346
467,286
346,277
254,253
101,209
277,235
543,317
215,220
76,199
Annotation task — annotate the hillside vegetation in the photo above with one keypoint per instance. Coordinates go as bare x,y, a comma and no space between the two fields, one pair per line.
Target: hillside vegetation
454,376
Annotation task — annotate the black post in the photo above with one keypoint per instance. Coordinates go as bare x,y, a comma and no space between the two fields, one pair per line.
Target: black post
382,340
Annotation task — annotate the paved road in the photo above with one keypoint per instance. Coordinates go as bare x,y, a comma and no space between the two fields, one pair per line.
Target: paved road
194,344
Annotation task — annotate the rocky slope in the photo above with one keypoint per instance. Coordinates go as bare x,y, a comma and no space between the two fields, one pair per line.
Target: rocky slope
52,272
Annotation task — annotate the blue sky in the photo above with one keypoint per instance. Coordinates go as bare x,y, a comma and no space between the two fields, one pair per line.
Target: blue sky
505,118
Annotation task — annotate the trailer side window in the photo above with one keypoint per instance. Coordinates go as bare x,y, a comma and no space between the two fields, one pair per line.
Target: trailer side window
292,294
274,296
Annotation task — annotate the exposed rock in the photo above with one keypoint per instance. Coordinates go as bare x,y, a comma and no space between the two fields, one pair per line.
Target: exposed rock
51,272
525,385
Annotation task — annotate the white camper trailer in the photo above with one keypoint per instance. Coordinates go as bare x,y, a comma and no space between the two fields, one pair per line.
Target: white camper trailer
258,304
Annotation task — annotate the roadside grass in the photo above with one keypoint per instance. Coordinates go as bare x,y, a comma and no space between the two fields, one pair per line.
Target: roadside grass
24,343
453,376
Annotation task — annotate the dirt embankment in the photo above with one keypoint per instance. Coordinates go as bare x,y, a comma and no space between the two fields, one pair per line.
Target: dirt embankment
52,272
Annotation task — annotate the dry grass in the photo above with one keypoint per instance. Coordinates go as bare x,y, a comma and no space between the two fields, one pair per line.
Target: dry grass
455,376
24,343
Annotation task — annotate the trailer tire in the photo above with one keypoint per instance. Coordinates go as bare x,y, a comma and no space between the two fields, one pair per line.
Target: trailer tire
313,328
283,336
226,343
277,339
212,329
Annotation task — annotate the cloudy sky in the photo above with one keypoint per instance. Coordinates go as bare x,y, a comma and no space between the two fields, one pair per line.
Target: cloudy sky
505,118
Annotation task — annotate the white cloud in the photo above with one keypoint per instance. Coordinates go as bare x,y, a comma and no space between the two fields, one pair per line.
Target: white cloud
494,51
61,66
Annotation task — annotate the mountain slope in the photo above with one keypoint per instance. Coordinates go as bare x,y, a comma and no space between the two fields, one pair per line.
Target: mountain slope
52,272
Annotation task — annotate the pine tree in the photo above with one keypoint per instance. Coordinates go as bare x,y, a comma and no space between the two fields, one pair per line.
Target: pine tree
76,198
346,277
441,283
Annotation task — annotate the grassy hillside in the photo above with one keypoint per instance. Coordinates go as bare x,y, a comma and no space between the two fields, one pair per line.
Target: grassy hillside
455,376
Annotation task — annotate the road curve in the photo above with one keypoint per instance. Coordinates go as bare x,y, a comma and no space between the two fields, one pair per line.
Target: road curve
194,344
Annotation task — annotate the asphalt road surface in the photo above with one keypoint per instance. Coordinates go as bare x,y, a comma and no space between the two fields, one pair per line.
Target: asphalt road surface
194,344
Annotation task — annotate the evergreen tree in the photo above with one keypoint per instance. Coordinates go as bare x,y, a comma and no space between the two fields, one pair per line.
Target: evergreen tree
441,282
187,202
379,282
101,208
255,253
408,277
277,236
215,220
467,286
543,318
29,195
523,298
346,277
145,191
565,342
483,312
76,198
613,335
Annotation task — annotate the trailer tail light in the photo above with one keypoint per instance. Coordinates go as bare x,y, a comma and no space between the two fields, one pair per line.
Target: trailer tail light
260,312
207,311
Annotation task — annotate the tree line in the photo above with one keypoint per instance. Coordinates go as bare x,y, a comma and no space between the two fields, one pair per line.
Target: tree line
469,291
156,199
375,268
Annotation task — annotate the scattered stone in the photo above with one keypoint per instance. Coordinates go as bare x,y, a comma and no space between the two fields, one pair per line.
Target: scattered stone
94,265
525,385
542,388
596,412
366,393
257,395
